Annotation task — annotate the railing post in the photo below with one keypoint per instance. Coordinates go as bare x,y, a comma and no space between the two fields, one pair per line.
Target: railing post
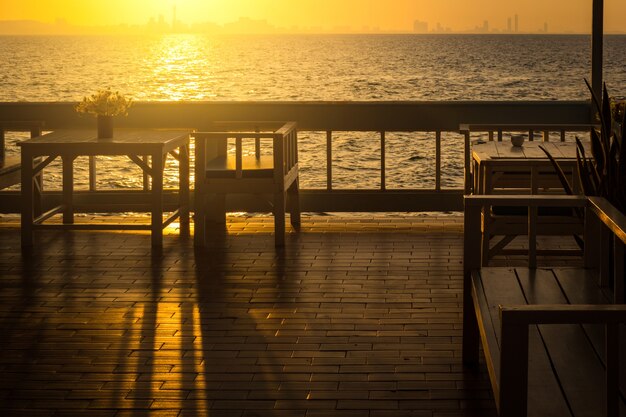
533,213
2,144
329,160
146,177
597,38
471,261
618,270
438,161
467,160
92,173
383,165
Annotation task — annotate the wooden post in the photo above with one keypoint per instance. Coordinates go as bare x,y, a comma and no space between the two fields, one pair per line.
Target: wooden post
438,161
199,233
27,197
618,270
383,162
612,370
469,181
2,144
157,198
329,160
471,261
533,213
513,396
92,173
68,189
183,192
597,36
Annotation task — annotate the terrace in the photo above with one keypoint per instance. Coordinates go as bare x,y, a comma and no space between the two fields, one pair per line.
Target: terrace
358,315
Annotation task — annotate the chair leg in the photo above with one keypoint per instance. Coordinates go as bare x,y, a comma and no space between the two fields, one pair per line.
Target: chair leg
486,238
294,203
199,234
279,218
38,203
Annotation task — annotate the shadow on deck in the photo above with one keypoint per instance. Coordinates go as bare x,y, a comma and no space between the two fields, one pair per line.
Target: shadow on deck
356,316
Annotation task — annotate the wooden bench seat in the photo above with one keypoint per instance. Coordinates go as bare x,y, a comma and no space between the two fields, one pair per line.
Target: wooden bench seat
551,336
566,362
10,165
252,167
9,171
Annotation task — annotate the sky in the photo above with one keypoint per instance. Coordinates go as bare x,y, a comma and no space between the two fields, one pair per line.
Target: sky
391,15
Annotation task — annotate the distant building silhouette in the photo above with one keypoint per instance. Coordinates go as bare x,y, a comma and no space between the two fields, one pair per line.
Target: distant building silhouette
509,25
516,23
420,27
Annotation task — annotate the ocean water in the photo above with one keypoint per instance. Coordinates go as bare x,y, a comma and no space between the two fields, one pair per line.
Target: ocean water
309,67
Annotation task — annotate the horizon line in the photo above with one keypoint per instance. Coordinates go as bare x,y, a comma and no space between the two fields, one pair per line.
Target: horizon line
60,27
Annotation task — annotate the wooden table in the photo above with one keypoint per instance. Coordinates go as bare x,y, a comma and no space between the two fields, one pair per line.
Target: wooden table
494,162
140,145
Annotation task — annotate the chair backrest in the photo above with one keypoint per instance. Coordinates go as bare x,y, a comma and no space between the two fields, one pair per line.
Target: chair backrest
213,144
605,228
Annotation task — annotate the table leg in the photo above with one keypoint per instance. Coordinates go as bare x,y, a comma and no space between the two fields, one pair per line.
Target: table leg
68,189
28,184
183,193
157,199
534,180
487,178
200,208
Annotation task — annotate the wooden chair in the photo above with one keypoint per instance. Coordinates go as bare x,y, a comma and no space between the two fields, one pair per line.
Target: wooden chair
501,225
218,172
10,173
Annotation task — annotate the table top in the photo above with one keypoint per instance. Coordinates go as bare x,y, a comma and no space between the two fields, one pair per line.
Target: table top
494,151
85,141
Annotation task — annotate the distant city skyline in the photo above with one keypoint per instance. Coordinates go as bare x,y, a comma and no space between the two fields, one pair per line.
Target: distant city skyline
308,16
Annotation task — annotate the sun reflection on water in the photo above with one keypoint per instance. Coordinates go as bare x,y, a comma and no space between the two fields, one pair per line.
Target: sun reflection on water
182,68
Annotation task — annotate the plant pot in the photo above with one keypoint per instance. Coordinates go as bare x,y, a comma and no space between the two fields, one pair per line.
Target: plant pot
105,127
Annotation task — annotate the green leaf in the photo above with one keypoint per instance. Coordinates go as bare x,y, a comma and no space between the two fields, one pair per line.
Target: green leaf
598,151
584,174
559,172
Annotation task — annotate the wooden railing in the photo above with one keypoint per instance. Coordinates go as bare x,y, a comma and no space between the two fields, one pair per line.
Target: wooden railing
435,118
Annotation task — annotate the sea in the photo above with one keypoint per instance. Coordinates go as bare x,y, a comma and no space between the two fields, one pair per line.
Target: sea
197,67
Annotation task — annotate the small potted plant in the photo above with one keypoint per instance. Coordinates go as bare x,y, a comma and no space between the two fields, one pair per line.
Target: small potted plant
105,104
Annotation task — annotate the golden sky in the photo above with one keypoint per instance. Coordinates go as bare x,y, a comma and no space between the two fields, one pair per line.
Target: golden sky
561,15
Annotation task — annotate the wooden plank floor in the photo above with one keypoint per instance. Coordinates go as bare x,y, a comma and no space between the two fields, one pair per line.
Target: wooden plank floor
357,316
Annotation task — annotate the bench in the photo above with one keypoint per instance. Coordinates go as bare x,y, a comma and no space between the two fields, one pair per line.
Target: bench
10,173
10,165
550,336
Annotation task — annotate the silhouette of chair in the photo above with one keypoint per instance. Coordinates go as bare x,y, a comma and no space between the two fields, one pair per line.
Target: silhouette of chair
219,172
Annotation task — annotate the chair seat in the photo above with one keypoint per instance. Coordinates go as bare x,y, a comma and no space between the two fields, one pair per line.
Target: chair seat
9,165
252,167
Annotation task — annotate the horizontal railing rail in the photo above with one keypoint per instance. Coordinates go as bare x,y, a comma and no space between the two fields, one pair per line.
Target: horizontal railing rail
332,118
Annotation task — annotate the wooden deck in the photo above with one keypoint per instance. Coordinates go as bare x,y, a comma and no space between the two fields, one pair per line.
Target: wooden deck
356,316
